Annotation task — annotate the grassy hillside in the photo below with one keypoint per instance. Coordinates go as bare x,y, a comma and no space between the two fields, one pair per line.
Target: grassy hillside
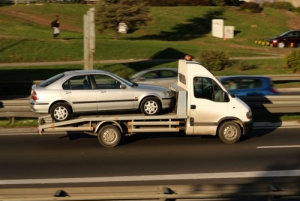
26,35
26,28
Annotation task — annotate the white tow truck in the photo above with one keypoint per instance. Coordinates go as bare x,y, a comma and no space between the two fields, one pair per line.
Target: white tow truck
203,107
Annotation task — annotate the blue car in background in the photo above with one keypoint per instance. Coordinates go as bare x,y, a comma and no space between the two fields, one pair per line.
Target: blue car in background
245,85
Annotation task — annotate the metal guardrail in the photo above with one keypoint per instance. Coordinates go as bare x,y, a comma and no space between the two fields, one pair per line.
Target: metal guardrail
13,108
274,104
255,191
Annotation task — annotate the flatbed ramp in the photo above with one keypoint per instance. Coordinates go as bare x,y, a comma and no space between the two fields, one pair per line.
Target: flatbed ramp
134,122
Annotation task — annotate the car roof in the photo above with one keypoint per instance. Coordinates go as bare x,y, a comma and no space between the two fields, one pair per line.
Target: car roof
151,69
85,72
154,69
243,76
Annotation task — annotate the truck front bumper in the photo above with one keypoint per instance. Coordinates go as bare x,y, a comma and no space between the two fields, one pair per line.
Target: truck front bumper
247,127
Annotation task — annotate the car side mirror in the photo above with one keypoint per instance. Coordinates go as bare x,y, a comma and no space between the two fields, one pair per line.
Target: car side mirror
122,86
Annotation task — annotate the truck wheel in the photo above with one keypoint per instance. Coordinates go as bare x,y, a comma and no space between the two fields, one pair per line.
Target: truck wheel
109,136
60,112
151,106
229,132
281,45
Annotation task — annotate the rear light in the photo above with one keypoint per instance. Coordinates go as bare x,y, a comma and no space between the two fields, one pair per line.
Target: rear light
274,91
275,41
34,95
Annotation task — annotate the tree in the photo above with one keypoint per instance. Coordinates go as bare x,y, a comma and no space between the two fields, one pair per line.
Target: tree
110,13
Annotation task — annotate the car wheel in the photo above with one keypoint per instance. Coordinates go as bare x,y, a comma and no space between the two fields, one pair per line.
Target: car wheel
109,136
151,106
281,45
60,112
229,132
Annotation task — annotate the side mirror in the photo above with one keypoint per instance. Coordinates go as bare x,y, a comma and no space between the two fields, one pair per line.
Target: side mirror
122,86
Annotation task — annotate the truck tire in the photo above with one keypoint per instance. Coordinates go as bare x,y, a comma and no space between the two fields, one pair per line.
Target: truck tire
151,106
229,132
281,45
60,112
109,136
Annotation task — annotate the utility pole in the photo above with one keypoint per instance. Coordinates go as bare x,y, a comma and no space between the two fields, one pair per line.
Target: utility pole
89,38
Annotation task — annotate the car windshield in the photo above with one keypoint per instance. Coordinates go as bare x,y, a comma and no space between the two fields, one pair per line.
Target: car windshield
49,81
125,81
283,34
137,75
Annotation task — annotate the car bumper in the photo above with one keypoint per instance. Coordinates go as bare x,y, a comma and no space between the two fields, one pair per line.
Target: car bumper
38,107
167,103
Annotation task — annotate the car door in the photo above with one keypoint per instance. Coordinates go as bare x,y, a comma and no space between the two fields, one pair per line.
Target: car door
78,92
207,105
112,94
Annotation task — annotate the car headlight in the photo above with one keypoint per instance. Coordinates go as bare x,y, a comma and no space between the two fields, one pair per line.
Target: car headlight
170,93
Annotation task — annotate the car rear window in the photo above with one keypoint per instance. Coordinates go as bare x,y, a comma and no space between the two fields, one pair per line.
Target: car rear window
51,80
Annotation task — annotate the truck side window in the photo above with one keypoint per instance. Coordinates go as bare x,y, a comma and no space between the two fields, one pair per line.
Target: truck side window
208,89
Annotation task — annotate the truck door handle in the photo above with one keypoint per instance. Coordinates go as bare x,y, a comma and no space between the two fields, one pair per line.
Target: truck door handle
193,107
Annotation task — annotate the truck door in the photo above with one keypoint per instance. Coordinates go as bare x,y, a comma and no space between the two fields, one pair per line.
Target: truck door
208,104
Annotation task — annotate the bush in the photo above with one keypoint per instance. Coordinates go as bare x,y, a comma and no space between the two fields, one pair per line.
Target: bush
178,2
244,65
279,5
292,60
214,60
251,6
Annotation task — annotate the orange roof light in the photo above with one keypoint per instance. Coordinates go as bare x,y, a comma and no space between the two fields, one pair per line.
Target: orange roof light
188,58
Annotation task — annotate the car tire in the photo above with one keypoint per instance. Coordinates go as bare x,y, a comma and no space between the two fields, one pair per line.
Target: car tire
109,136
60,112
229,132
281,45
151,106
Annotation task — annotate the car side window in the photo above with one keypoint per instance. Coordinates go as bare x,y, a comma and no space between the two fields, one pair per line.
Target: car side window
151,75
106,82
250,83
208,89
167,74
77,83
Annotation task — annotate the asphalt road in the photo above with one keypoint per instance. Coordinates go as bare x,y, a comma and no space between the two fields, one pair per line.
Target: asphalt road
153,159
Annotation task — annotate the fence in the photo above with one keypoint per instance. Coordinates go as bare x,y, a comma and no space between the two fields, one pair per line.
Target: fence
253,191
19,107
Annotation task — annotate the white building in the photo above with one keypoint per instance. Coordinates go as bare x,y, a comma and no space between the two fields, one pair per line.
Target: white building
295,3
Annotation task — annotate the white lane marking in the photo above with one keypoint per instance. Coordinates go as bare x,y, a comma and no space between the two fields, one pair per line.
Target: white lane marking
221,175
278,147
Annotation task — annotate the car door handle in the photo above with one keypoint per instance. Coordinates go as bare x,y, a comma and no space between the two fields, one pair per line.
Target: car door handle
193,107
68,92
103,91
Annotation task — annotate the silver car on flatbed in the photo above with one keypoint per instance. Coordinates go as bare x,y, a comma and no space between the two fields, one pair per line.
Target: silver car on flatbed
86,91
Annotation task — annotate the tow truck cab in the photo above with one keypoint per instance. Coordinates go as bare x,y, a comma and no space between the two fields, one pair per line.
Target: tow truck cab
209,106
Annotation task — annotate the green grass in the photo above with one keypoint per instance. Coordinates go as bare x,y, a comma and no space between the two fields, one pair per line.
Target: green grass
19,122
179,30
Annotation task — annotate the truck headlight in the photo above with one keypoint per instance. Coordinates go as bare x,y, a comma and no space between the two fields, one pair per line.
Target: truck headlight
249,114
